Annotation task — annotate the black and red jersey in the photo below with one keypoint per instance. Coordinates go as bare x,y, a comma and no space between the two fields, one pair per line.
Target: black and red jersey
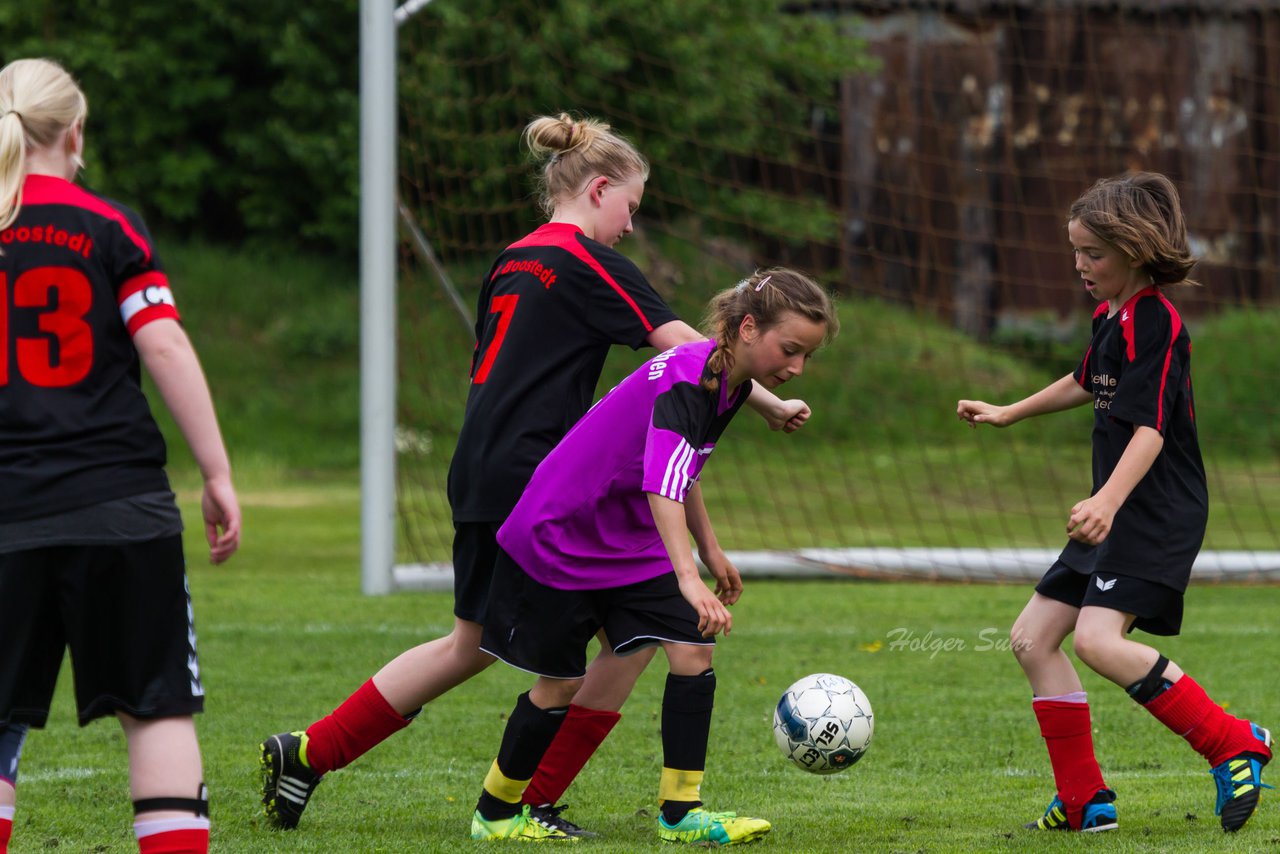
77,278
550,308
1138,368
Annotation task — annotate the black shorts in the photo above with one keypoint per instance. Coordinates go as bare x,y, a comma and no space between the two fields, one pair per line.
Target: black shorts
475,548
545,630
1158,608
125,612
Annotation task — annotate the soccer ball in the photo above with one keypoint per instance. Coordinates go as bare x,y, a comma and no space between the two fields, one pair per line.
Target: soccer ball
823,723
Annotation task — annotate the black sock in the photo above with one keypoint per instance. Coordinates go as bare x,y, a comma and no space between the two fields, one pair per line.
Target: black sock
530,731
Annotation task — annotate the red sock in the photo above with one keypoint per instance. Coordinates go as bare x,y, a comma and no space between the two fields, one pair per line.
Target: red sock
6,830
1217,736
173,836
362,722
580,735
1069,736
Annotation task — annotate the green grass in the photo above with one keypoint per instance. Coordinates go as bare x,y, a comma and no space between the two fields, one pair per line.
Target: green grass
956,765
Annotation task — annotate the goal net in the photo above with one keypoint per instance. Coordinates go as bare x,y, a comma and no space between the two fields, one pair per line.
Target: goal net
920,163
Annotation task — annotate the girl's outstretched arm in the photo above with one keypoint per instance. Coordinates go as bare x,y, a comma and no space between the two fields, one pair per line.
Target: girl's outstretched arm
1055,397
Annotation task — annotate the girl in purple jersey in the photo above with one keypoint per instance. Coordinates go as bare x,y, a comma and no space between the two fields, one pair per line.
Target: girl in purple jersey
551,307
91,555
1134,539
598,543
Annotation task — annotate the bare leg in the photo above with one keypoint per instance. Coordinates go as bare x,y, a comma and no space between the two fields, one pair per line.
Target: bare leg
1037,637
611,678
419,675
1102,643
549,693
164,760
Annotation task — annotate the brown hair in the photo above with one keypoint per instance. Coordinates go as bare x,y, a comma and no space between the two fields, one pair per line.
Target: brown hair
1140,214
38,101
766,295
575,151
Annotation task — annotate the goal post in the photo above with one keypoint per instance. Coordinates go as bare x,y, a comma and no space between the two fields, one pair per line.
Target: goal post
377,295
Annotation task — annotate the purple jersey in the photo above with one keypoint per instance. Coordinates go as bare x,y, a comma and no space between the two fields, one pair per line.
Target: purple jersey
584,521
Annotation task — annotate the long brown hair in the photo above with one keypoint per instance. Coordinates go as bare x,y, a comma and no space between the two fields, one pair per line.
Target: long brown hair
766,295
1140,214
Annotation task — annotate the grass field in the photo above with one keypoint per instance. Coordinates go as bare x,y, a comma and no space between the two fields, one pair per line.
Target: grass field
956,765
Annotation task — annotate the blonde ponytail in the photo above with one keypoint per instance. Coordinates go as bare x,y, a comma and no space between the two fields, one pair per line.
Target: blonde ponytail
574,150
39,101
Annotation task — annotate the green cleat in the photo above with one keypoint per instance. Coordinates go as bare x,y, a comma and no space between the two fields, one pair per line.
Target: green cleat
521,827
701,827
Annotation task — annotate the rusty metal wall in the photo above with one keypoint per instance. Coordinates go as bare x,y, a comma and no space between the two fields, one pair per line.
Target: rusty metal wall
962,155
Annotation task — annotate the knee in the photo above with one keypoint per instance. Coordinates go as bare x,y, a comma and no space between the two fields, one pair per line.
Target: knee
1090,647
1025,645
687,660
554,693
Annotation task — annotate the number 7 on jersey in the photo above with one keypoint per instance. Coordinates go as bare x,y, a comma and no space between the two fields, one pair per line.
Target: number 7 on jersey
505,307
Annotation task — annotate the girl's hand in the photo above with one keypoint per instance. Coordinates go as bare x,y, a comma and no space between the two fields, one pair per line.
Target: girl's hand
728,581
221,512
713,616
1091,520
789,416
980,412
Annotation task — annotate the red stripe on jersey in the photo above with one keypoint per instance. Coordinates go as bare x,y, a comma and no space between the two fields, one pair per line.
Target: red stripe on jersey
1175,324
1084,374
1101,309
48,190
565,236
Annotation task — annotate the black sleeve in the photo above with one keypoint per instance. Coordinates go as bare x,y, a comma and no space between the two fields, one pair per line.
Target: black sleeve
624,308
1154,368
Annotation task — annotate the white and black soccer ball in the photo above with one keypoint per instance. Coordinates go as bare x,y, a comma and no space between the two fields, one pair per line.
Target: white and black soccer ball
823,723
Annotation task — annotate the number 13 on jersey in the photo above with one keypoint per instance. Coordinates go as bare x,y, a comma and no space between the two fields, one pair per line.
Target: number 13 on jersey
62,297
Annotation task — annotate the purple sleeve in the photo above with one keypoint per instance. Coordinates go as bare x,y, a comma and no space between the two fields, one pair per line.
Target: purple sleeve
673,452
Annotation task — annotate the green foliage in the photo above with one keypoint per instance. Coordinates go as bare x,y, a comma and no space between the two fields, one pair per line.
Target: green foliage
227,119
279,340
709,91
1235,382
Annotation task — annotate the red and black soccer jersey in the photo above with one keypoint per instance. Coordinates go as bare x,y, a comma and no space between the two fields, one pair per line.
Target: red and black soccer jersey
550,308
1138,368
77,278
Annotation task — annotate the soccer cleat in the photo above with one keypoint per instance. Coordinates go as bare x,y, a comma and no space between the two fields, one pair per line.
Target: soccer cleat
1099,815
702,827
1239,782
287,783
551,817
521,827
